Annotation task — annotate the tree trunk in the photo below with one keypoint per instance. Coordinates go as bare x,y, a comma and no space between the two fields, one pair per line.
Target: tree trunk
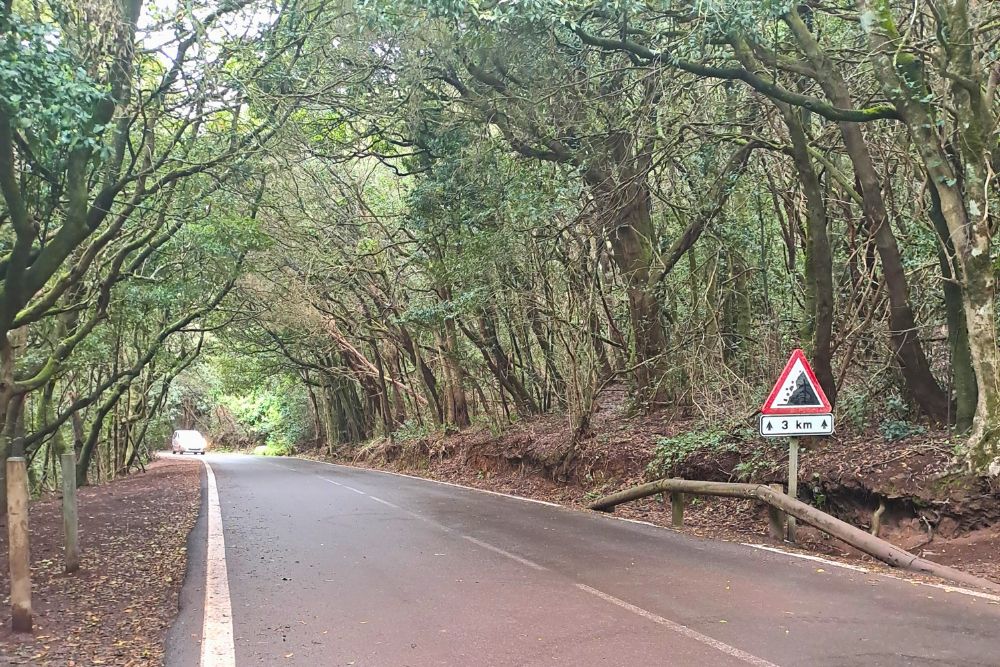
909,353
11,403
500,365
385,408
963,194
78,438
819,260
629,229
963,374
426,375
349,424
314,408
981,323
6,380
457,414
649,341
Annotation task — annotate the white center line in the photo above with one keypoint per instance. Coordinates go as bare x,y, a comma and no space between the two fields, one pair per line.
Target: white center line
349,488
217,648
490,547
278,465
434,481
681,629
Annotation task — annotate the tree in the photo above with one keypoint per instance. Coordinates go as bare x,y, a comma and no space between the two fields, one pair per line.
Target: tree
95,132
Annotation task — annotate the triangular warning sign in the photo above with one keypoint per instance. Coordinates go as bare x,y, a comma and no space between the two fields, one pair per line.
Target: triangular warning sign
797,391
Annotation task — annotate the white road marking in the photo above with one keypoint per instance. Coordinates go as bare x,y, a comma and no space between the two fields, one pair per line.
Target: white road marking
437,481
955,589
384,502
857,568
349,488
680,629
378,500
217,648
818,559
490,547
430,522
278,465
639,522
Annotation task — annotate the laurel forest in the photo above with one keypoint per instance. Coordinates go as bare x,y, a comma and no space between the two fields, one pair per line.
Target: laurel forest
306,223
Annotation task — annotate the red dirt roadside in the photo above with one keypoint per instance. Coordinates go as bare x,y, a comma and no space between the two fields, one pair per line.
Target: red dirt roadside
116,609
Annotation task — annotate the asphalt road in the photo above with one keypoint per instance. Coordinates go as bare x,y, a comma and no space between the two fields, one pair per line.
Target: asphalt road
331,565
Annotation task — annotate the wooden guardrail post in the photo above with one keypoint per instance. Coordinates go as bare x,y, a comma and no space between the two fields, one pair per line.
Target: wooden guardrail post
776,518
19,554
70,516
857,538
677,510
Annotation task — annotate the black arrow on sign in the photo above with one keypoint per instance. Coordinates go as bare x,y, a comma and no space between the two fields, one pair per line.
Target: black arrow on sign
824,423
769,426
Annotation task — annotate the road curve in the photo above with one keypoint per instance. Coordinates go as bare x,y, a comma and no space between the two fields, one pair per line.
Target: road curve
330,565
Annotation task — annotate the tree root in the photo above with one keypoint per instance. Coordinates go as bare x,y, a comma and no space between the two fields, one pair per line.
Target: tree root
877,517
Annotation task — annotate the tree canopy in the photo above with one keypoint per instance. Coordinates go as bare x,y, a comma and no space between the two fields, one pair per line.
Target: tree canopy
309,221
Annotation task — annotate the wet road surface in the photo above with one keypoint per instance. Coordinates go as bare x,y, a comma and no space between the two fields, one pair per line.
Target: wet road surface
330,565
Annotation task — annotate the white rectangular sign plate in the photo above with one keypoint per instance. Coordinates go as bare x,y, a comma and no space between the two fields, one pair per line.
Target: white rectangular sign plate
783,426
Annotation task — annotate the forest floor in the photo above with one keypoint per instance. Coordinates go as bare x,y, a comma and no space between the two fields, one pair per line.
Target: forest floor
931,509
116,609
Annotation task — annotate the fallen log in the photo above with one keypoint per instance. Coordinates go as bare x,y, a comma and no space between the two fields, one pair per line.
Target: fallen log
831,525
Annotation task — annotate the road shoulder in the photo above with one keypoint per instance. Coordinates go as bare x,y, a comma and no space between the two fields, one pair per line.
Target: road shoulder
134,540
183,639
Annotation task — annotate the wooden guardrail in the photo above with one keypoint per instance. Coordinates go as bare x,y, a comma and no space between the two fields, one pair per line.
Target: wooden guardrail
781,503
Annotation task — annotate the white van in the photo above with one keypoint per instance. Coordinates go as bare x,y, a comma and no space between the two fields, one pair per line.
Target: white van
187,441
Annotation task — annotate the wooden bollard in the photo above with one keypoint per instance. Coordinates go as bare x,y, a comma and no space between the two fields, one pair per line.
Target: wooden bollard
677,510
19,554
776,518
70,516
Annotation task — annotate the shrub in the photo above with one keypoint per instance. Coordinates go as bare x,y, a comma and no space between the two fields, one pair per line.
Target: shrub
273,449
276,415
751,467
671,452
411,430
897,429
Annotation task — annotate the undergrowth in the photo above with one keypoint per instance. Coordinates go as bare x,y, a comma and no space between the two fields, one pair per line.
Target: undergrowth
274,449
673,451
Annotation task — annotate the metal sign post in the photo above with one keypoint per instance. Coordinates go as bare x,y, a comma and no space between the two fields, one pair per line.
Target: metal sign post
796,406
793,482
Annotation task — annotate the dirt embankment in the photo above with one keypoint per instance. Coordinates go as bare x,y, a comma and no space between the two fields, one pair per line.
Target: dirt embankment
116,609
927,505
